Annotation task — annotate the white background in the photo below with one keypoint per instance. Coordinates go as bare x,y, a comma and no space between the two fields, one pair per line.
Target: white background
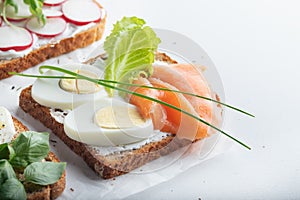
255,45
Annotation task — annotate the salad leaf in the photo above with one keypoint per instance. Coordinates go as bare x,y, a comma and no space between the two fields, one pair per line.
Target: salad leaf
11,3
44,173
30,147
130,49
6,171
12,189
36,9
6,151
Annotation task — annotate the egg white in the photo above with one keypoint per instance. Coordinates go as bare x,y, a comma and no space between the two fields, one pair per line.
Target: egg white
48,92
7,128
80,125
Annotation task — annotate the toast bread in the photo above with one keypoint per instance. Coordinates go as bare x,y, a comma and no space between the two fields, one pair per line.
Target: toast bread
50,50
105,165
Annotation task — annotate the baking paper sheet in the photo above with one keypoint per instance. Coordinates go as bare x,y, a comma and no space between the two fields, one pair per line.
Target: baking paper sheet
82,182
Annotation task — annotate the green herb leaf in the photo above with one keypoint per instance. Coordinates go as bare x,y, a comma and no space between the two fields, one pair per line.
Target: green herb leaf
6,151
130,48
36,9
44,173
30,147
97,81
12,189
11,3
6,171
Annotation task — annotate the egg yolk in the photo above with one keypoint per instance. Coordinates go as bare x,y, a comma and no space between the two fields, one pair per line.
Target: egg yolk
116,117
80,86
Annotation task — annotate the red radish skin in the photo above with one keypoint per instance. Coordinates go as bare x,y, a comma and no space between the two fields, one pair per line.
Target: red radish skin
16,33
16,19
81,12
53,27
0,21
53,2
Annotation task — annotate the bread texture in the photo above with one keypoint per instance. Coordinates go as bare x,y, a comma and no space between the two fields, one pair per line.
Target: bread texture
110,165
47,51
42,192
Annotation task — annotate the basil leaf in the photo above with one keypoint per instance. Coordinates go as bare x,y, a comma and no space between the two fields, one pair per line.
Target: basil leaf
12,189
44,173
6,171
6,151
30,147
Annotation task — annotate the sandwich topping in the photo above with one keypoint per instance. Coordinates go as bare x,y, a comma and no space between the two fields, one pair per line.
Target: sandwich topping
80,86
7,128
173,99
52,23
22,160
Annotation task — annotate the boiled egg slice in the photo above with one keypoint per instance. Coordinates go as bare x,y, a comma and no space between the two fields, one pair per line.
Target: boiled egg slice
7,128
68,93
107,122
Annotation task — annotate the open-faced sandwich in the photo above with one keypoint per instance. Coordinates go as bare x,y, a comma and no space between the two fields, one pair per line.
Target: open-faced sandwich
127,107
28,169
34,31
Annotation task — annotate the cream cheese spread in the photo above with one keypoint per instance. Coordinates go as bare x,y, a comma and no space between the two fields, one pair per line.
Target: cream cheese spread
70,31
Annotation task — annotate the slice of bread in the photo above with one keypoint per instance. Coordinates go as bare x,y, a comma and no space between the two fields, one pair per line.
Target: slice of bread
107,165
42,192
50,50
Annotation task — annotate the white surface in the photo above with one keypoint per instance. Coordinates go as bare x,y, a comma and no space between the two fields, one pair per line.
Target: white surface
255,46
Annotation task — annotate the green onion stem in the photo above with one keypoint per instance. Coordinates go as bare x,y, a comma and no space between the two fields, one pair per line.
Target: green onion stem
141,86
101,82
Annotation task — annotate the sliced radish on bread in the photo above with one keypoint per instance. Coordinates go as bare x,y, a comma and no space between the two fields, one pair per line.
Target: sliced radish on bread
16,38
22,13
81,12
52,13
53,2
52,28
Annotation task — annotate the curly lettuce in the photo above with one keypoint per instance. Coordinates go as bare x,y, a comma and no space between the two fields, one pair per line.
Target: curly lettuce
131,50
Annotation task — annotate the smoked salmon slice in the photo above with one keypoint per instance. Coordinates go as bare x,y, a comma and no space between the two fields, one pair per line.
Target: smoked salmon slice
181,77
188,78
148,109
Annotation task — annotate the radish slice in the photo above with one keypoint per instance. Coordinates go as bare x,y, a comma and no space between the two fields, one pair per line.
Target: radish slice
53,2
16,38
22,14
81,12
0,21
52,13
52,28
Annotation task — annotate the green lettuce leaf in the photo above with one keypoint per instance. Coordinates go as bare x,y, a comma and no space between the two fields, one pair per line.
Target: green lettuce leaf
130,49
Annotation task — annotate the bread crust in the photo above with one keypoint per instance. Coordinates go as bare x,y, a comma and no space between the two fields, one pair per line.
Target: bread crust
108,166
48,51
45,192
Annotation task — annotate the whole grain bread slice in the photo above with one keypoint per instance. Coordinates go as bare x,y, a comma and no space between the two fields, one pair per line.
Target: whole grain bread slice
42,192
105,165
50,50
